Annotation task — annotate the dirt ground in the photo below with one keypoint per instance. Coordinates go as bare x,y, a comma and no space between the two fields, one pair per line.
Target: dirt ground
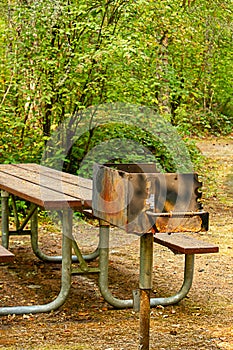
203,320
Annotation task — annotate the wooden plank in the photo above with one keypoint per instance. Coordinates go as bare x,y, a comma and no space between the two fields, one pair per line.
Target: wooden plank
184,244
38,195
45,183
41,175
5,255
56,174
38,188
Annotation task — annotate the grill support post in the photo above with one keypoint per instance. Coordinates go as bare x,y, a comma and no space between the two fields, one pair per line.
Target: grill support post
145,285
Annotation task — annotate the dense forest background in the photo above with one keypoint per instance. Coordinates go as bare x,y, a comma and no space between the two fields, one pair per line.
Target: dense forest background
57,58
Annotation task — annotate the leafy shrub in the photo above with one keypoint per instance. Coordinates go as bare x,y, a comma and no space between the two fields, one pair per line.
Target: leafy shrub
200,122
119,143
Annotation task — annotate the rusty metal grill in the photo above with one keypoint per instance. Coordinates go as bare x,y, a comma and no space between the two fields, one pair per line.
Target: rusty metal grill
139,199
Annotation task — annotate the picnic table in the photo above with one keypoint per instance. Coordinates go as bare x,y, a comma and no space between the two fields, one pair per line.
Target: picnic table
53,190
47,189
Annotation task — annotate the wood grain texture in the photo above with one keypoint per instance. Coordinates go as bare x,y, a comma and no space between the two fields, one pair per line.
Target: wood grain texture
45,187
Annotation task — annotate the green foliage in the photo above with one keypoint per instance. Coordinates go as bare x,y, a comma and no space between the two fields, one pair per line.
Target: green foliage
116,132
58,58
118,143
200,122
15,149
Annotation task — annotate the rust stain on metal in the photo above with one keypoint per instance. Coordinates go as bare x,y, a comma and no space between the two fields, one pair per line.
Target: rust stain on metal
111,192
123,194
144,336
179,225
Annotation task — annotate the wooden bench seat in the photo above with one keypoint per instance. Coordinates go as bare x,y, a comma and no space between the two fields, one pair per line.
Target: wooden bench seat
5,255
183,244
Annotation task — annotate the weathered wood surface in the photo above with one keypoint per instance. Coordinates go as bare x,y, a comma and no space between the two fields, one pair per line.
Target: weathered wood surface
5,255
45,187
184,244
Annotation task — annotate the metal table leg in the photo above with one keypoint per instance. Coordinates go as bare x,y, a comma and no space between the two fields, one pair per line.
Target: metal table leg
65,278
52,259
187,283
5,218
129,303
103,266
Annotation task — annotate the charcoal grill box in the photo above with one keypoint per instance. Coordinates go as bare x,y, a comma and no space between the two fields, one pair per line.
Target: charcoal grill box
139,199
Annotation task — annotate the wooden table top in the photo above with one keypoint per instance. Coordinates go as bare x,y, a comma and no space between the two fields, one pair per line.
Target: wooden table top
46,187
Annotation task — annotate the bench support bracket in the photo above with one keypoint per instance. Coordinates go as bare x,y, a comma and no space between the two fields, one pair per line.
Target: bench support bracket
55,259
65,278
129,303
32,216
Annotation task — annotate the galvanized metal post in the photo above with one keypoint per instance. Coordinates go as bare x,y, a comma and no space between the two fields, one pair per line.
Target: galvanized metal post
187,283
44,257
65,277
145,285
103,266
5,218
